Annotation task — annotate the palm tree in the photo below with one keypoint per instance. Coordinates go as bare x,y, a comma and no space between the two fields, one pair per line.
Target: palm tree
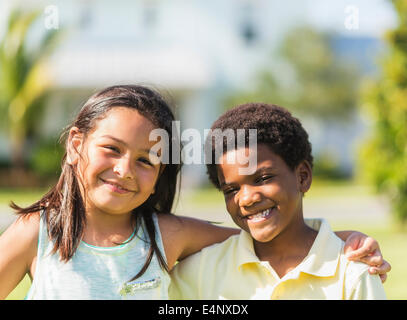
24,80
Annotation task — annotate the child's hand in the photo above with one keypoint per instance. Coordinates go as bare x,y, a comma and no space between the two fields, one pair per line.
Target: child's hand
360,247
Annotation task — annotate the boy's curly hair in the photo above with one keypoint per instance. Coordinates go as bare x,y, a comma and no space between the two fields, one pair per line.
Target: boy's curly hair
276,128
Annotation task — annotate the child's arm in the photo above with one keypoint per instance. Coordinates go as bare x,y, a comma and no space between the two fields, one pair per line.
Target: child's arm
18,247
360,247
183,236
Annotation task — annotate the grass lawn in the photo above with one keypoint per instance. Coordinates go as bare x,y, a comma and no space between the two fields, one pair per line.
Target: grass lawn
20,196
393,242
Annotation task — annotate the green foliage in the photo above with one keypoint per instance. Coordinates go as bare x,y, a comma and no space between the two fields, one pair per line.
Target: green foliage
326,166
24,79
46,158
321,85
315,83
384,157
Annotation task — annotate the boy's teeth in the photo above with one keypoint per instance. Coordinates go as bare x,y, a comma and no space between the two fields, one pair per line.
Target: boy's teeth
260,215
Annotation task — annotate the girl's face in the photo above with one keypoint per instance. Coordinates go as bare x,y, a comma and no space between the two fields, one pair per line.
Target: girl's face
268,201
113,162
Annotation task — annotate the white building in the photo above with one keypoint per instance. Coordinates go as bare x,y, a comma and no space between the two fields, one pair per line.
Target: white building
193,50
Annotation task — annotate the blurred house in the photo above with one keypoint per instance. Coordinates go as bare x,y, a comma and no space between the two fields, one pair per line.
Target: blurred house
192,51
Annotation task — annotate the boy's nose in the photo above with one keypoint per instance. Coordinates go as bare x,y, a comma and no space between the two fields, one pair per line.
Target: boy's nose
248,196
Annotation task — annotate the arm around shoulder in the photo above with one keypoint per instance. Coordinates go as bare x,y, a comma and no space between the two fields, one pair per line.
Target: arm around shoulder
367,287
183,236
18,248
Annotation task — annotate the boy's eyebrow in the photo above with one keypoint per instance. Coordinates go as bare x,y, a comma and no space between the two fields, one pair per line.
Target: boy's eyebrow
125,144
259,170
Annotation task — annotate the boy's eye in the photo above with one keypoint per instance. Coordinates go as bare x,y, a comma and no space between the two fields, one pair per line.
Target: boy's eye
264,178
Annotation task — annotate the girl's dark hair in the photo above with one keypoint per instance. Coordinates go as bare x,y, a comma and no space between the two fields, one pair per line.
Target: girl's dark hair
64,205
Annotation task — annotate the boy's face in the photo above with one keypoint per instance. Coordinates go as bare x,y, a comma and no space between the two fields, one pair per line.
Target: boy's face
268,201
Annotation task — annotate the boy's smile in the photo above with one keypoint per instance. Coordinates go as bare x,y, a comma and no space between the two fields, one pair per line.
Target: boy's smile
267,202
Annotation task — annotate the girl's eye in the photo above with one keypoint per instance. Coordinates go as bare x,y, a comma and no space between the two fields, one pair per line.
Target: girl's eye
145,161
113,148
229,191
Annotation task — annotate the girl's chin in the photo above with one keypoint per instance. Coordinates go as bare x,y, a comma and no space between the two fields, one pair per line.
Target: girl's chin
111,207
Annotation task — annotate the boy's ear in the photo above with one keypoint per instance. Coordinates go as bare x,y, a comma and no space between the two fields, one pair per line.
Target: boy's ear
74,146
304,174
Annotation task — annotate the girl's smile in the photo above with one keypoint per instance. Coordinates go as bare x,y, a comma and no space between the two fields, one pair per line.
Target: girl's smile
114,162
117,188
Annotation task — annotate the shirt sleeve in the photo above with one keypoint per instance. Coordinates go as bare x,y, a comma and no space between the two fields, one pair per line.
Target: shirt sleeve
185,279
367,287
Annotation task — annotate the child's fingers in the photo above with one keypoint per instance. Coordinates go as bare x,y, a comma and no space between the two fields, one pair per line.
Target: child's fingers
369,248
376,259
360,254
381,269
383,277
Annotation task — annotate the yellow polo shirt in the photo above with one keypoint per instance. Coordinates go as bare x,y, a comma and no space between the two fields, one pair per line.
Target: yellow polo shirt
231,270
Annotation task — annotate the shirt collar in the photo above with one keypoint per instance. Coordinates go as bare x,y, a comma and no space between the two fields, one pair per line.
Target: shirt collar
246,253
322,259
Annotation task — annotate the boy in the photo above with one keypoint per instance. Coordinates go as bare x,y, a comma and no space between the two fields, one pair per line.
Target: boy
277,255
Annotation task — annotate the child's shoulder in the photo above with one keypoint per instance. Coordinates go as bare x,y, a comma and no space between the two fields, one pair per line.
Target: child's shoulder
23,235
222,252
354,270
28,226
358,283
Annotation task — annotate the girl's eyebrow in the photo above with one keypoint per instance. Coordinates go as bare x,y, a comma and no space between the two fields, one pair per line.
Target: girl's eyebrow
126,145
115,139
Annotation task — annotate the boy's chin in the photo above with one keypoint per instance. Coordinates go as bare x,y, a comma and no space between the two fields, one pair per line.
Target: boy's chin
263,236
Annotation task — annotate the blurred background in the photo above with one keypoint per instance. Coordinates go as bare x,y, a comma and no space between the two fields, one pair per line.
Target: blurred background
341,67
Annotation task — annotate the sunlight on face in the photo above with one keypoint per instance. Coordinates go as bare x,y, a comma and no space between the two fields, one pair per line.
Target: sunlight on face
116,169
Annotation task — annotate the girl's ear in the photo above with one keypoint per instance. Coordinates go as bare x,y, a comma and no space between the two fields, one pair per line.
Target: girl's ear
304,174
74,146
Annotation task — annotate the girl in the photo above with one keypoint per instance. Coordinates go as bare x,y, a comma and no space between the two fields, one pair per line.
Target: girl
105,231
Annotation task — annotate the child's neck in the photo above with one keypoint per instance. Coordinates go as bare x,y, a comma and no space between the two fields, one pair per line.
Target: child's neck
288,249
104,230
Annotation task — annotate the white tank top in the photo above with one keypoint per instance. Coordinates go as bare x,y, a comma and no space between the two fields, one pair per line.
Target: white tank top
99,272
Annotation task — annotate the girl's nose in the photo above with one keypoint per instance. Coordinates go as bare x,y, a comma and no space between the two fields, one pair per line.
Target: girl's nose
248,196
123,169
